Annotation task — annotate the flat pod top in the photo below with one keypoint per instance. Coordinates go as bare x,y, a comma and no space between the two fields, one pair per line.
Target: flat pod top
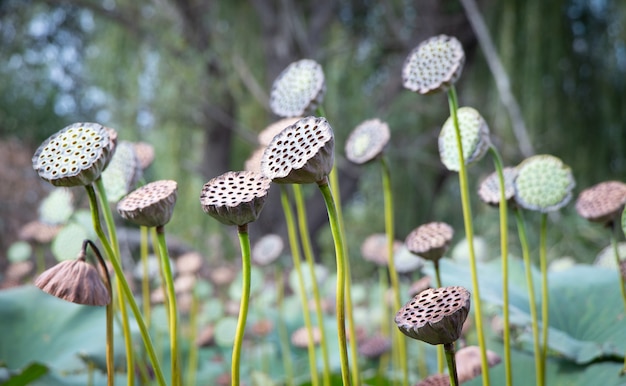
301,153
151,205
430,240
489,189
474,139
434,65
298,89
543,183
75,155
602,202
367,141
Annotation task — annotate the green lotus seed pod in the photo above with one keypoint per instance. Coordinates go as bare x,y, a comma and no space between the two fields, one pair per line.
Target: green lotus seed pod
151,205
298,90
123,172
489,190
76,155
430,240
435,316
367,141
603,202
302,153
434,65
235,198
474,139
57,207
543,183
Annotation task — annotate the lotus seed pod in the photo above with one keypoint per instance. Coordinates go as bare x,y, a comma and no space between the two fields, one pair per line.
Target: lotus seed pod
435,316
150,205
235,198
434,65
606,257
144,153
267,249
603,202
123,172
543,183
469,362
300,337
430,240
375,346
57,207
300,154
298,90
367,141
489,190
375,249
76,155
266,136
75,281
474,139
435,380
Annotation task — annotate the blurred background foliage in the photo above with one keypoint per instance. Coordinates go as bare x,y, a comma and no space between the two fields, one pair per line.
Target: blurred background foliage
192,78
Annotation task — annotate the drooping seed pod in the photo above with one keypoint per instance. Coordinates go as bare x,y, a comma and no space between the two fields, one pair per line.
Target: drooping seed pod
298,90
123,172
489,189
543,183
302,153
367,141
469,363
434,65
430,240
75,155
151,205
603,202
435,316
474,139
235,198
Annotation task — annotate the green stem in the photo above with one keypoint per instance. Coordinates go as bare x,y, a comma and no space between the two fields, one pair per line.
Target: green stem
40,259
282,328
246,266
171,305
110,224
295,253
504,247
308,255
341,279
145,279
469,231
532,305
543,264
128,295
440,352
192,365
451,359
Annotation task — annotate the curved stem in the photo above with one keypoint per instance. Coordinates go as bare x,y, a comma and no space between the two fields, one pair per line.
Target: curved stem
128,295
504,247
295,253
469,232
341,279
451,359
543,265
308,255
532,305
171,305
246,266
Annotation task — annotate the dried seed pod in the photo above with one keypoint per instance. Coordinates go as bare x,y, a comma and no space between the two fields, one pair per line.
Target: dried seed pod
435,380
302,153
267,249
75,155
367,141
266,136
375,249
123,172
602,202
434,65
374,347
144,153
75,281
543,183
489,190
430,240
298,90
150,205
235,198
300,337
469,364
474,139
435,316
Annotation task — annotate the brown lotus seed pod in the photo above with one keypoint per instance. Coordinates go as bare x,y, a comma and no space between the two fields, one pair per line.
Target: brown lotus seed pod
298,90
602,202
374,347
489,190
435,316
144,153
435,380
367,141
235,198
75,155
375,249
302,153
39,232
430,240
267,249
420,285
75,281
468,363
300,337
434,65
266,136
151,205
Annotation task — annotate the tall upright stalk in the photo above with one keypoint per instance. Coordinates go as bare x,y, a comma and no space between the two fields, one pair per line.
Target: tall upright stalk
308,255
282,328
451,359
246,265
543,266
145,278
469,231
341,279
192,364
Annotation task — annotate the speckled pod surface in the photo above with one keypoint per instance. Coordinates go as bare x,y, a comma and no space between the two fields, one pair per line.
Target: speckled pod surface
298,90
367,141
602,202
543,183
430,240
489,189
151,205
474,139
